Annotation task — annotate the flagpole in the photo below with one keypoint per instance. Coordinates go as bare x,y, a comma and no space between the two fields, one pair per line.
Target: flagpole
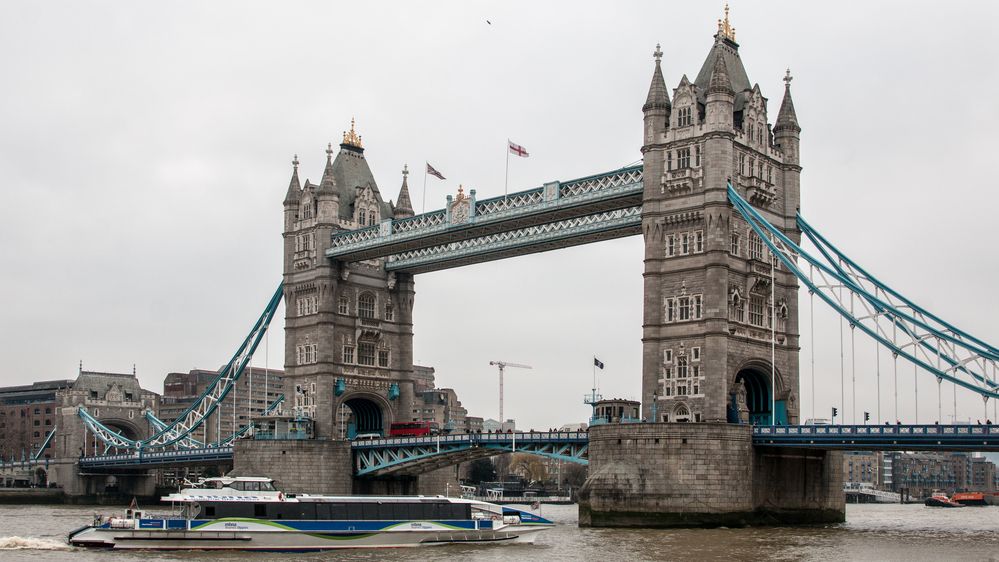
506,179
424,210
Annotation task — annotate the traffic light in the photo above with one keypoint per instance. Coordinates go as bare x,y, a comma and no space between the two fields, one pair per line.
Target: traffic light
835,411
867,417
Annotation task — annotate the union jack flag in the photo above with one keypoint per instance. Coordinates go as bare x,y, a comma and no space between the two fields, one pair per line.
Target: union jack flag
433,172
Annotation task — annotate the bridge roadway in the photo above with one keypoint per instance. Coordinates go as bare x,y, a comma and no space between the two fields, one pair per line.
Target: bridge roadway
416,455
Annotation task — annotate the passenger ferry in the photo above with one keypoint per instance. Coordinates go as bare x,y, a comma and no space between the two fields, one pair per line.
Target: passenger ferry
244,513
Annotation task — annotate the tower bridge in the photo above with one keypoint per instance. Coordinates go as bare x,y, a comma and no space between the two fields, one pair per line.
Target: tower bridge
717,202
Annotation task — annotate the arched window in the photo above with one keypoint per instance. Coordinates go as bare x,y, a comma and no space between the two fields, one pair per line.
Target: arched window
371,217
360,217
366,305
681,413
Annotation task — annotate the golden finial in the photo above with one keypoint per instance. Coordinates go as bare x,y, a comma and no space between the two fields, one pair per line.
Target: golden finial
351,137
725,28
461,193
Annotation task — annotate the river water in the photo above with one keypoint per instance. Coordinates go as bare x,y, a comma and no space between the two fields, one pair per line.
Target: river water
872,532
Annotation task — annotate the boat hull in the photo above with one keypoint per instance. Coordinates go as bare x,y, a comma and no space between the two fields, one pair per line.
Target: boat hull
264,536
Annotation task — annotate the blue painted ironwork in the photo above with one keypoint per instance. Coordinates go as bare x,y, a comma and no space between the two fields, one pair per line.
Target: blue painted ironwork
935,346
191,443
880,437
522,241
206,404
149,459
414,455
554,203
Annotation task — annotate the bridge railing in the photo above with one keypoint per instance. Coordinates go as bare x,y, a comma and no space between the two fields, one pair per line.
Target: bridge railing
847,430
154,457
478,438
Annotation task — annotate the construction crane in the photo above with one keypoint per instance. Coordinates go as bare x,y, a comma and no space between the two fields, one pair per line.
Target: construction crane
502,365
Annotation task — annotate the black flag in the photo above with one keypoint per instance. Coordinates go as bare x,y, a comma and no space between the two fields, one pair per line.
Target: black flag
598,363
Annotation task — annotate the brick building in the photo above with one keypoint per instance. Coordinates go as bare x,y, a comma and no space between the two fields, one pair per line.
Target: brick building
27,415
180,390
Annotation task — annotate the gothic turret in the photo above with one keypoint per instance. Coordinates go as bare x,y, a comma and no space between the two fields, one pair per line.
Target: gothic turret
721,98
294,194
404,208
327,199
786,130
657,106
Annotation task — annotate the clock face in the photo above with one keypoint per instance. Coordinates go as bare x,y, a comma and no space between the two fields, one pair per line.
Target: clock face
459,213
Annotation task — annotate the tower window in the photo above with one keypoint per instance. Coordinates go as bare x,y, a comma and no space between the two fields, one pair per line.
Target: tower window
756,306
683,158
697,307
389,312
698,241
366,305
669,160
342,306
348,354
670,310
755,246
734,249
671,245
683,308
383,358
366,353
697,155
681,367
667,356
371,217
683,117
695,354
684,244
742,164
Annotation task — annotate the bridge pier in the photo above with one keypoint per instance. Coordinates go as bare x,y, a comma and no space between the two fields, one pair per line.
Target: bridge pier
704,475
323,466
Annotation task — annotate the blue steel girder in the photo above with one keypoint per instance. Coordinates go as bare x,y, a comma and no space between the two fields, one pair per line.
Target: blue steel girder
554,202
158,459
541,238
418,455
878,311
880,437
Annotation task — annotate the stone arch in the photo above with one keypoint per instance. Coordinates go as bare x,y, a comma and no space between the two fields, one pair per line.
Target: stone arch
41,478
124,427
681,413
362,412
752,394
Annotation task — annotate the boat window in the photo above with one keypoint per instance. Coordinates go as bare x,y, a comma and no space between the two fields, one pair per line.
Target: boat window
323,511
385,512
354,511
260,510
338,511
252,487
266,487
237,486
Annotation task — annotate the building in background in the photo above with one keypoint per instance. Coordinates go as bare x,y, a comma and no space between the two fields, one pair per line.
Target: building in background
180,390
923,473
27,415
862,467
440,406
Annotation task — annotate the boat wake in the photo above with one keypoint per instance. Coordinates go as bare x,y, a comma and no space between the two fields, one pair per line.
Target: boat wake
31,543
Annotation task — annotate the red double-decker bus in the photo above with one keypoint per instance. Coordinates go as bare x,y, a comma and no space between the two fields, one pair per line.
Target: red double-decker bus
413,428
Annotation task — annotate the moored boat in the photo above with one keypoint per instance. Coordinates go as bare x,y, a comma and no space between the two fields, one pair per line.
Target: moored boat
969,498
939,499
251,514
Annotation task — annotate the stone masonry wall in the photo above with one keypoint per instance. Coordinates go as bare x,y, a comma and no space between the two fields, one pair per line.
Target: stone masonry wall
666,475
297,467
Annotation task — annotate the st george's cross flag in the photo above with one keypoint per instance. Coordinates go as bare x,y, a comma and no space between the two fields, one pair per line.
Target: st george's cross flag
598,363
517,149
433,172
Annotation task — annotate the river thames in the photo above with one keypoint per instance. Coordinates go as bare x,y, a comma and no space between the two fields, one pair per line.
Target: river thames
872,532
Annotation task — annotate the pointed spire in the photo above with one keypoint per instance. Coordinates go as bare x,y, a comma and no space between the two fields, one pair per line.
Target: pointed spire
294,188
786,118
725,29
404,208
720,81
658,95
328,184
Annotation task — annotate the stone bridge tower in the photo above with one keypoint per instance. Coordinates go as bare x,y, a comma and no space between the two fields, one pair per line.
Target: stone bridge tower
348,326
709,306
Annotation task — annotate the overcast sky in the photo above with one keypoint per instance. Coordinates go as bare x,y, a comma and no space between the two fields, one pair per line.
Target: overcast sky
145,150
